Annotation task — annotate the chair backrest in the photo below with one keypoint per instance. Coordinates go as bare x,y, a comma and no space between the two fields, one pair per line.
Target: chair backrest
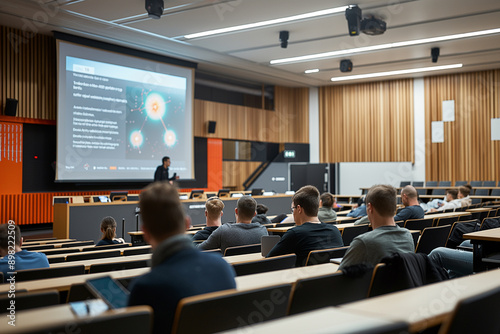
231,308
495,192
328,290
239,250
285,224
29,300
137,251
419,224
34,274
78,244
476,183
445,183
38,247
418,183
103,267
482,192
464,217
136,319
79,292
460,183
349,233
489,183
446,221
40,239
95,248
92,255
438,191
324,255
422,191
404,183
433,237
265,265
431,184
57,251
483,308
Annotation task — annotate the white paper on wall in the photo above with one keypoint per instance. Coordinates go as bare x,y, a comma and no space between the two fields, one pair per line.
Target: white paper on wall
495,129
448,109
437,129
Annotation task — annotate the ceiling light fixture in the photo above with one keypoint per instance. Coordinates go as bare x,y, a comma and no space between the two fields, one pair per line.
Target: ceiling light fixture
315,70
267,23
390,73
334,54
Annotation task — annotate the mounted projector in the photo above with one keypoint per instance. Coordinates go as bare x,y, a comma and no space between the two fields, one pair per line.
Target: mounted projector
373,26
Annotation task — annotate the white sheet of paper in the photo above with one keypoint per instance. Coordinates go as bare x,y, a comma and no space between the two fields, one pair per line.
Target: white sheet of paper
448,109
437,132
495,129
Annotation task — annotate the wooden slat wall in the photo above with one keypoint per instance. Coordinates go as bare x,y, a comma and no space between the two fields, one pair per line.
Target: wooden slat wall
28,72
234,173
367,122
288,123
467,152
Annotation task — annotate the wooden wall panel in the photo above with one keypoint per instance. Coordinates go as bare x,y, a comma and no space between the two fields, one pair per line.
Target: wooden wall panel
367,122
468,153
234,173
288,123
28,72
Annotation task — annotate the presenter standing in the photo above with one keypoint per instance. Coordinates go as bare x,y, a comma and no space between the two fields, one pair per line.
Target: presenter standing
161,173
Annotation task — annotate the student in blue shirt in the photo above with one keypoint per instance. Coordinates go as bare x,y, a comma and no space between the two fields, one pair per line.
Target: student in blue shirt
14,258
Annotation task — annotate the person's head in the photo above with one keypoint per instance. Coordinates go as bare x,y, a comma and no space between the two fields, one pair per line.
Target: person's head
305,204
409,196
213,211
326,200
4,238
245,209
166,161
162,213
463,191
108,228
381,203
261,209
451,194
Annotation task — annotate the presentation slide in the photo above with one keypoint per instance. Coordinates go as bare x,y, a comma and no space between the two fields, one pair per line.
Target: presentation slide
118,115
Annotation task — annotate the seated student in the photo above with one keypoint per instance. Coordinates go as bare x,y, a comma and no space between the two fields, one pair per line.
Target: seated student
463,195
108,229
178,269
325,212
359,210
213,215
386,237
411,210
309,234
23,259
452,201
242,232
261,215
457,262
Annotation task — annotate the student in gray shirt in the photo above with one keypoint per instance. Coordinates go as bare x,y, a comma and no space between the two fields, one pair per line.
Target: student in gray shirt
243,232
386,237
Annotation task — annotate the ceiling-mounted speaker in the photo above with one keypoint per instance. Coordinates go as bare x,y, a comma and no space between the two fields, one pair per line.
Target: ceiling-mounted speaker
353,16
11,107
154,8
435,54
345,65
211,126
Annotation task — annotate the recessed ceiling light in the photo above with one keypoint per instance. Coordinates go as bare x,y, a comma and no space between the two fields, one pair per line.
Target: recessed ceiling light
267,23
386,74
333,54
316,70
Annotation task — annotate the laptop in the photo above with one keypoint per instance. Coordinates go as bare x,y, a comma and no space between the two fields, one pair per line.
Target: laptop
267,243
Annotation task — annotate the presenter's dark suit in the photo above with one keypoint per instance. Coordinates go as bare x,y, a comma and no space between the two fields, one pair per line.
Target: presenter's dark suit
178,270
161,174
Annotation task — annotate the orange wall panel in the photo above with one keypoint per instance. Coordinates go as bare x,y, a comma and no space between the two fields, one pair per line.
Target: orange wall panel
11,158
214,164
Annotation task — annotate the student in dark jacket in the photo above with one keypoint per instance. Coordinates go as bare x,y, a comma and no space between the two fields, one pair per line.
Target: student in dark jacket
108,229
261,215
213,216
178,269
309,233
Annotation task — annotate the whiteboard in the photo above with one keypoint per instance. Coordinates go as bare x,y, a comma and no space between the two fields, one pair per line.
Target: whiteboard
355,175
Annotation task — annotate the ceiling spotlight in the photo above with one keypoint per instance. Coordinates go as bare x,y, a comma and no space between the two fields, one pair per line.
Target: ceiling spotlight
154,8
284,34
353,16
435,54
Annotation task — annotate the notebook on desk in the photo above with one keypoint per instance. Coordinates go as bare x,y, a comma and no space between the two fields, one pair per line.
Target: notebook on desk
267,242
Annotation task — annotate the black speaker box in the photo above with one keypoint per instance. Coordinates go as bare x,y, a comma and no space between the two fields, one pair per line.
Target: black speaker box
11,107
345,65
211,126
